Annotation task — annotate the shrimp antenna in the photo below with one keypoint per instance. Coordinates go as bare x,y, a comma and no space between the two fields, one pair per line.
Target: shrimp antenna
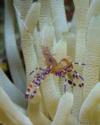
78,63
31,72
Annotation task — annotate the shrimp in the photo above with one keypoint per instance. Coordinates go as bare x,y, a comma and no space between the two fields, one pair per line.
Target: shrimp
62,69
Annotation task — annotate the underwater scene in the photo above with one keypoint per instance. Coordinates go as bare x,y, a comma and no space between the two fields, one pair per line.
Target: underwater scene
49,62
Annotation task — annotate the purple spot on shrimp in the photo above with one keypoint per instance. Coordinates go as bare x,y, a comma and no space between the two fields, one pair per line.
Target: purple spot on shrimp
37,82
31,96
74,75
75,72
70,82
42,77
74,84
80,85
34,91
26,96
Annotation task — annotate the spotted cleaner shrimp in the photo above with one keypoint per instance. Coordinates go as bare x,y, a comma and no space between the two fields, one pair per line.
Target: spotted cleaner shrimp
62,69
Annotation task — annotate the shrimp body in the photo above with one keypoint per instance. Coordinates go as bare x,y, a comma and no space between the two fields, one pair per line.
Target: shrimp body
62,69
